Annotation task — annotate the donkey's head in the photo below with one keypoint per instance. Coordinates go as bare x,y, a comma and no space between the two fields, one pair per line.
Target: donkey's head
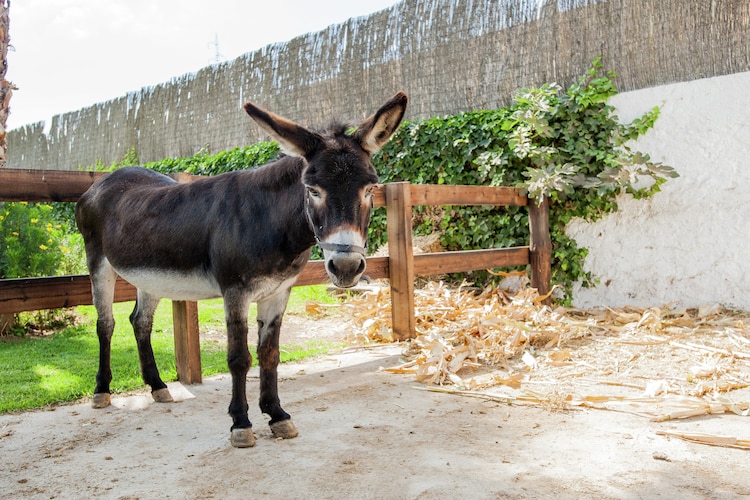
339,180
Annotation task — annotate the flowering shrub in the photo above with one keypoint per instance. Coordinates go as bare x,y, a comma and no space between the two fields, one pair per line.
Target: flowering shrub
33,242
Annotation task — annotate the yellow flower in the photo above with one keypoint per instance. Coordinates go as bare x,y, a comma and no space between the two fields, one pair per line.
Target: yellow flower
42,247
15,233
34,221
64,249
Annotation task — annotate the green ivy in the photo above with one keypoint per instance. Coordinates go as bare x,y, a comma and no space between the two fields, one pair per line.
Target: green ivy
204,163
566,145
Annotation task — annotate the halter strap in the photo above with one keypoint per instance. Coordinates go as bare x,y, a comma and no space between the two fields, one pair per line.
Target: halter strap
332,247
341,247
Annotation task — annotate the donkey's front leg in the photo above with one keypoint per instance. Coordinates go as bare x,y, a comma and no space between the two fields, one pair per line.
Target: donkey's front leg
238,361
270,314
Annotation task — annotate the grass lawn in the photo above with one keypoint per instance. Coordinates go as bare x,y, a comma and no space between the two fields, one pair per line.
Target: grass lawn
40,371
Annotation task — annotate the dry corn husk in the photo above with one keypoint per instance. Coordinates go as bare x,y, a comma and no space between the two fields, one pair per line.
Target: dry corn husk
661,362
710,439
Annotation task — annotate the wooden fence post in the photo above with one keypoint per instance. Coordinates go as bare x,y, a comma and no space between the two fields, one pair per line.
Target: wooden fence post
187,344
540,247
401,259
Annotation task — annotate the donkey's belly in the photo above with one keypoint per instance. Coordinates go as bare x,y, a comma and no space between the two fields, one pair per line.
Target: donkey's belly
175,285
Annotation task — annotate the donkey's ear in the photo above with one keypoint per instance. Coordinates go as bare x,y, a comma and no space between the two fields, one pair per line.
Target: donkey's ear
374,132
293,139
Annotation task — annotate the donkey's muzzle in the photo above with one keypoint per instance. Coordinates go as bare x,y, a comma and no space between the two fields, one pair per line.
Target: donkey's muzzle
344,263
345,268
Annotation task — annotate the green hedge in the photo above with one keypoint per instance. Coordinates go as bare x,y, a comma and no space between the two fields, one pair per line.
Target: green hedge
566,145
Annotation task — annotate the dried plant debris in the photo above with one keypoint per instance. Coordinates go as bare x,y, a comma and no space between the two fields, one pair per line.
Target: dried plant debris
662,363
710,439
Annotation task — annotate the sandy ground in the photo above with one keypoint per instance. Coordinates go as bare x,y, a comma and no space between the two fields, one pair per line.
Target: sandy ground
364,433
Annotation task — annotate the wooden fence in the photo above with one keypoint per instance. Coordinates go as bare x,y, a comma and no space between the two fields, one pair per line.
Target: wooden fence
400,268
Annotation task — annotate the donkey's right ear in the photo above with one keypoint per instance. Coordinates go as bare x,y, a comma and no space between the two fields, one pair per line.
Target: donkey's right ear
293,139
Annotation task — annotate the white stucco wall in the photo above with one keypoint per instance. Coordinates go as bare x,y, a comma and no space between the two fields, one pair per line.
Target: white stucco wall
690,243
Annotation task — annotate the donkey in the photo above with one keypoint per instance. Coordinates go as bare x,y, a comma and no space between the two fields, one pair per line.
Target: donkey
244,236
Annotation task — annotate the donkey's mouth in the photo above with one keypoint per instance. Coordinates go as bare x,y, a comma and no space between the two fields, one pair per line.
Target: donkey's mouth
345,268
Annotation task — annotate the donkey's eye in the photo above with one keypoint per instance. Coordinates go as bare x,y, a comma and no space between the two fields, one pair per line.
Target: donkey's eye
314,193
370,192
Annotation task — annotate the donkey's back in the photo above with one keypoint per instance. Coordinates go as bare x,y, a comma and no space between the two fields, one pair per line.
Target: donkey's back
186,241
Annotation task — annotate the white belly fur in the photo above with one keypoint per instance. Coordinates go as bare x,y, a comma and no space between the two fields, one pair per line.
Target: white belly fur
173,285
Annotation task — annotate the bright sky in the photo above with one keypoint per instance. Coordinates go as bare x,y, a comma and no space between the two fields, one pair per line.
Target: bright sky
69,54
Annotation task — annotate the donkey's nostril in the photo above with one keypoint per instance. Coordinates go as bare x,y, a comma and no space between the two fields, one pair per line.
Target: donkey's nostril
331,267
362,265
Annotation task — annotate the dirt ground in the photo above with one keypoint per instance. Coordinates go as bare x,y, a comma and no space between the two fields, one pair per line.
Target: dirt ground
364,433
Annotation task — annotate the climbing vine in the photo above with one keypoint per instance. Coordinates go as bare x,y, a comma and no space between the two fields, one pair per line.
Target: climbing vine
567,145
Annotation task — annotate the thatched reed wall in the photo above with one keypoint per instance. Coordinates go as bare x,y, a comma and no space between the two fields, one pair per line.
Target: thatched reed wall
449,55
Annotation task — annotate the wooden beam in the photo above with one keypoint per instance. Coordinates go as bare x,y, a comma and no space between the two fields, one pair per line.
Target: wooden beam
33,294
315,273
430,264
54,185
540,256
44,185
401,255
378,196
55,292
377,268
424,194
430,194
187,344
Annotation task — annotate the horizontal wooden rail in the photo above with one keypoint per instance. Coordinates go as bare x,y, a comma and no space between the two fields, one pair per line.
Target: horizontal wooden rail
431,264
52,185
62,185
55,292
444,195
44,185
400,268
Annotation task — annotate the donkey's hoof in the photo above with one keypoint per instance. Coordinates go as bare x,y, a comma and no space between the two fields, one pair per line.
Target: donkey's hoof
284,429
242,438
101,400
162,396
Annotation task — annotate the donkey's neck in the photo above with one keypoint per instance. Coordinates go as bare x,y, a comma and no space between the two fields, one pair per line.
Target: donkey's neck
281,182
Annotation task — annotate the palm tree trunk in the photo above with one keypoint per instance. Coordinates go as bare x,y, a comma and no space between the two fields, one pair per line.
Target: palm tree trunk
6,90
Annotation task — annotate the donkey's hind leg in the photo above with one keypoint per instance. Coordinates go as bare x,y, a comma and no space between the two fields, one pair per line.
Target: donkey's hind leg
142,319
103,279
270,314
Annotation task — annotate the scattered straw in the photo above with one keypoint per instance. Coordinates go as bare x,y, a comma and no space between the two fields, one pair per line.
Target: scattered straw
663,362
710,439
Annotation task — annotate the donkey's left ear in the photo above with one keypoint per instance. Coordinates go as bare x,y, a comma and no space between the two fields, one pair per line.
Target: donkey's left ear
374,132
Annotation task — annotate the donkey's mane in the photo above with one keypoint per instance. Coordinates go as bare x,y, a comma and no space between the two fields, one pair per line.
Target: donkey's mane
335,128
